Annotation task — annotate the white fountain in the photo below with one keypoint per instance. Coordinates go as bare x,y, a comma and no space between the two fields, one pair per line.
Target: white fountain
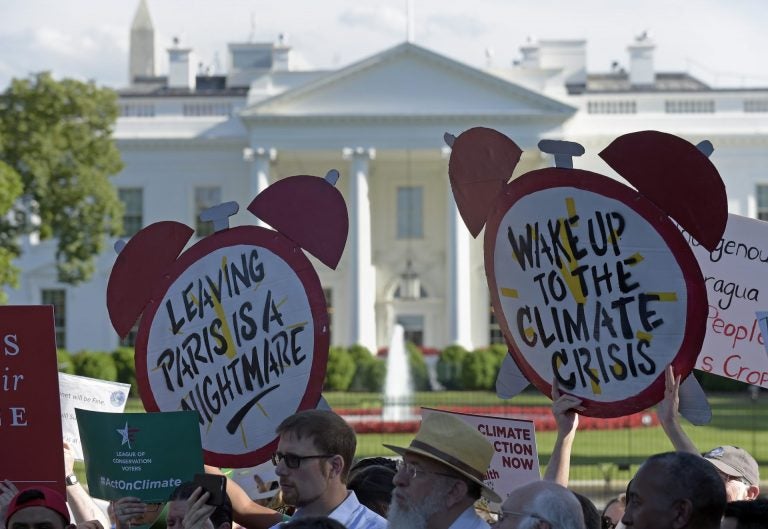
398,389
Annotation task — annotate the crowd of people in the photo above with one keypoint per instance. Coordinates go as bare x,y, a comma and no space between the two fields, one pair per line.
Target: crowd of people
435,482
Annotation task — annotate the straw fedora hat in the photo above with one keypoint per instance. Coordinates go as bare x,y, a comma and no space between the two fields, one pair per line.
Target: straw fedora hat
452,442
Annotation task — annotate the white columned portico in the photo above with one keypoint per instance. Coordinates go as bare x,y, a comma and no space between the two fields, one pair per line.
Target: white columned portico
459,295
362,274
261,159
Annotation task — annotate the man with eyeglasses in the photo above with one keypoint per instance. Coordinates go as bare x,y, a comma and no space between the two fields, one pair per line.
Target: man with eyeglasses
541,505
675,490
314,454
737,467
441,476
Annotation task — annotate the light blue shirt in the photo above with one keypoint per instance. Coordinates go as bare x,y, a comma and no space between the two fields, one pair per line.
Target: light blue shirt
353,515
469,520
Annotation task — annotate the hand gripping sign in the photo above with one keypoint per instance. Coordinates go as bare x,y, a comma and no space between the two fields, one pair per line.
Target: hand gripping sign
236,326
592,283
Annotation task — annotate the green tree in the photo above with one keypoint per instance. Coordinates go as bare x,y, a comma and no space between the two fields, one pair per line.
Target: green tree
126,368
419,370
56,136
370,371
449,367
340,370
479,369
10,191
95,364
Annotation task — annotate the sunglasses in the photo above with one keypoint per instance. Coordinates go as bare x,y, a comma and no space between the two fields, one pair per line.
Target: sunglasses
294,461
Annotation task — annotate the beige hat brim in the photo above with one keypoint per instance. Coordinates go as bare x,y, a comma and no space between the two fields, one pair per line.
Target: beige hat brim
487,492
725,468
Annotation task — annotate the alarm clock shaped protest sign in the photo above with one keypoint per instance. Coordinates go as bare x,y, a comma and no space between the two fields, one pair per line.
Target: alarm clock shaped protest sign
236,327
592,284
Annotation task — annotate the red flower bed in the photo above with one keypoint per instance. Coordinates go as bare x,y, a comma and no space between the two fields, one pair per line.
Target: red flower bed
369,420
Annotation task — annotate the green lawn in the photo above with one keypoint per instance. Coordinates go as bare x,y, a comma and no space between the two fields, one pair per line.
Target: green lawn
597,454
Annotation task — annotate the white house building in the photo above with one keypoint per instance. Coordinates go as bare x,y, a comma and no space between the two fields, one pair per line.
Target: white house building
190,140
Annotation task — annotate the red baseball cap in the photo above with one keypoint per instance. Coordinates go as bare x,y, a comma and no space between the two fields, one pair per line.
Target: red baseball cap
38,497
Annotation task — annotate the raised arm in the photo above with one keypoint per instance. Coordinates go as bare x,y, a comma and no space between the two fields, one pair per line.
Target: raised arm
564,408
84,509
246,512
669,416
7,491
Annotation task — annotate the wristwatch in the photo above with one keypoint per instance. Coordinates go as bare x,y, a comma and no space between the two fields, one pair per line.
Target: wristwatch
71,480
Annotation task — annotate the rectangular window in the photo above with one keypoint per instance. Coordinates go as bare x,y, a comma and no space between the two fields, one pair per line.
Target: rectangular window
495,335
689,106
413,328
133,217
137,110
206,109
205,197
762,201
611,107
58,298
756,105
410,212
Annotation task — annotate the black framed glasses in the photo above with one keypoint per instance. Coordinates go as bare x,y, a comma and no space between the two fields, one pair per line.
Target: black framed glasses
294,461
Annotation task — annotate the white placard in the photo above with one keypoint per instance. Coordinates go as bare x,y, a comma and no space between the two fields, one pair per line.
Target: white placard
254,480
87,394
515,461
736,276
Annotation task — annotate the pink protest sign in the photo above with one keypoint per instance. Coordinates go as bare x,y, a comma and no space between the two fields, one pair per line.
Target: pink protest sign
30,417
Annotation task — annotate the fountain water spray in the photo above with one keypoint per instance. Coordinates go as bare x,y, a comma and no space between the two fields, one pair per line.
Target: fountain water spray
398,389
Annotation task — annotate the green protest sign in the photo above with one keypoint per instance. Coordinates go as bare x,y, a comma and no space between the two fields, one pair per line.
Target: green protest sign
146,455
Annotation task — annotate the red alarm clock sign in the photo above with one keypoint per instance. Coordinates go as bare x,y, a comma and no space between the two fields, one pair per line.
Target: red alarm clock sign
236,328
592,284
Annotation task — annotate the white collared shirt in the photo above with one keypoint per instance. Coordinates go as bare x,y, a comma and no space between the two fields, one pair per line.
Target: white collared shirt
353,514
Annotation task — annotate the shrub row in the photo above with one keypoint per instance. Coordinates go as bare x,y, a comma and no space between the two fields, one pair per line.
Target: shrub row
355,369
458,369
117,366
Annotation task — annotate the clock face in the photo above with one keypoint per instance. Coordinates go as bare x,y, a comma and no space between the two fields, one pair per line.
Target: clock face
238,333
595,287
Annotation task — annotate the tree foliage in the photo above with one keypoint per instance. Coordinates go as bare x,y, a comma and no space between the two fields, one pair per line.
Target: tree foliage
479,369
449,366
419,370
340,370
56,136
10,190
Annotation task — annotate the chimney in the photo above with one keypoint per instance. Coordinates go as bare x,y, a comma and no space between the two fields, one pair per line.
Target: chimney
641,72
181,67
281,54
570,56
530,54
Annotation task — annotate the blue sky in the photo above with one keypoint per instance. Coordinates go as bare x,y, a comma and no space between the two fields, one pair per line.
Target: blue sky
722,42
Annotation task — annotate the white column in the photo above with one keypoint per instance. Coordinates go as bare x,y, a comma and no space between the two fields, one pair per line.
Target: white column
362,274
261,159
459,294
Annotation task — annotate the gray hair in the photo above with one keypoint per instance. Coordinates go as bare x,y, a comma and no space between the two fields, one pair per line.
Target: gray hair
557,505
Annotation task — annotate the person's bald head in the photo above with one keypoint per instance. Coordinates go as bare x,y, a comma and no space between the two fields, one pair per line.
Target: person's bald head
675,490
541,505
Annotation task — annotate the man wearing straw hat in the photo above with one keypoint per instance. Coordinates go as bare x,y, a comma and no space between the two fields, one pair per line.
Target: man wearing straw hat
441,476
